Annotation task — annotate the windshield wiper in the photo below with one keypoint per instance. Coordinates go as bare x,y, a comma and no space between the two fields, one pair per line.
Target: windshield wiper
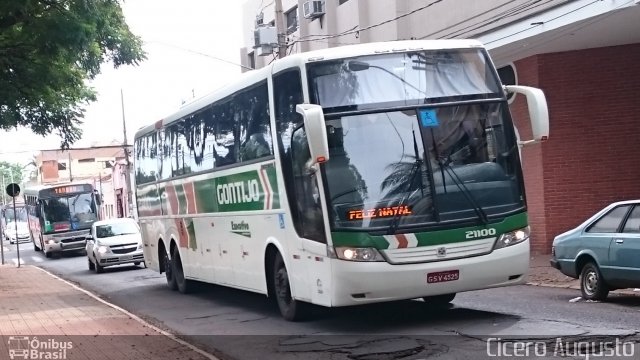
482,215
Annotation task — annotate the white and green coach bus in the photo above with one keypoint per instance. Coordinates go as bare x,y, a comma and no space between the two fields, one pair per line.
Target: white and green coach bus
351,175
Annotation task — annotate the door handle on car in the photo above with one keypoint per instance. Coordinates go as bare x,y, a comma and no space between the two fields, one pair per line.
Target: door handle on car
619,241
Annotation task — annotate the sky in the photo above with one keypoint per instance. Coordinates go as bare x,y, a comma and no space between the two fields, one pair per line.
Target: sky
173,32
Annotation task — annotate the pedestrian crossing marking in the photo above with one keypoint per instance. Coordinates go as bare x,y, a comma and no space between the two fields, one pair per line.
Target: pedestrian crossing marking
29,260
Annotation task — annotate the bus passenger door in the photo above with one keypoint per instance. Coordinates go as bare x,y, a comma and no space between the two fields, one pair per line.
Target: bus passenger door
308,214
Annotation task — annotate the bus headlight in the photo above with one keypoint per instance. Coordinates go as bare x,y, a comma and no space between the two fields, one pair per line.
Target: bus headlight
103,249
358,254
512,238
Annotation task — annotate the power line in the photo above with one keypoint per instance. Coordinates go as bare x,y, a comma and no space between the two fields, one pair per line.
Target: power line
200,53
467,19
570,30
507,14
547,21
371,26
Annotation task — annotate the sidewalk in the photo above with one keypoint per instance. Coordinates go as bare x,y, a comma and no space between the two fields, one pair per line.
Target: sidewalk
44,315
542,274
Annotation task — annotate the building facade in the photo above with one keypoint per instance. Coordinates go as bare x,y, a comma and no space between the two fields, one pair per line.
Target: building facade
583,54
102,166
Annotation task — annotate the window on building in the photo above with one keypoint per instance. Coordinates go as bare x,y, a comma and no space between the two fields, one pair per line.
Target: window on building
252,60
87,160
340,2
292,19
107,164
62,166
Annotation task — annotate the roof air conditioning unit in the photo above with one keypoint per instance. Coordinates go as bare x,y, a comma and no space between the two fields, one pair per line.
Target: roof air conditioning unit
313,9
265,39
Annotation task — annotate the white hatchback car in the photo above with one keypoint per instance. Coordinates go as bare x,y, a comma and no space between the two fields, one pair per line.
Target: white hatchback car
114,242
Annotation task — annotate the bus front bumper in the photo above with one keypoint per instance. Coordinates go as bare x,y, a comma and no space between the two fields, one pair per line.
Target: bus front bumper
51,247
361,282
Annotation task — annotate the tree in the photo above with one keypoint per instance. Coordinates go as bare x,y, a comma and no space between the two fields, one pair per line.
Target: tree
48,49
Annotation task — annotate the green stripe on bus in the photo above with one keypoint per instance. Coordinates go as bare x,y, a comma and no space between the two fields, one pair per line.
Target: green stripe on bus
429,238
246,191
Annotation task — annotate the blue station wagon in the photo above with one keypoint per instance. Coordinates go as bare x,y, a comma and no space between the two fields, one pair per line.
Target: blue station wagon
603,252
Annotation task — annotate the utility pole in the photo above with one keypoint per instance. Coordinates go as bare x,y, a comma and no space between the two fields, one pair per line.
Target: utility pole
282,36
127,173
69,166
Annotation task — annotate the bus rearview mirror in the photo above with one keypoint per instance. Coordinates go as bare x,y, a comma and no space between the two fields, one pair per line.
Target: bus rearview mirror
316,131
538,112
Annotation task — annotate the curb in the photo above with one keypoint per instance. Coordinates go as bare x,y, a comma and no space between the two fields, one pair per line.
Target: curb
132,316
577,287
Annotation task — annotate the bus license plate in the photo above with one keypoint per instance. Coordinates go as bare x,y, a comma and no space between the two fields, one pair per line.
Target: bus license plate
442,276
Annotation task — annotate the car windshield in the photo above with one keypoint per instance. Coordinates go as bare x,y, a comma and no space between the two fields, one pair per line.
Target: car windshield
116,229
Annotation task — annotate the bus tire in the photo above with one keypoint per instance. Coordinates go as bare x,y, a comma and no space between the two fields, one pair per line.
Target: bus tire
290,309
168,272
439,301
184,285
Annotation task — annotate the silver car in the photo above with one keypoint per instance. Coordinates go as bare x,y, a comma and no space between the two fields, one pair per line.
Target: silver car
114,242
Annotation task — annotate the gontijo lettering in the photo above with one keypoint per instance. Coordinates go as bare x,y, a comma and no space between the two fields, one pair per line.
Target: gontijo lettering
238,192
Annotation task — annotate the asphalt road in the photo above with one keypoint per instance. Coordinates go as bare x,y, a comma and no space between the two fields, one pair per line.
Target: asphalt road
238,325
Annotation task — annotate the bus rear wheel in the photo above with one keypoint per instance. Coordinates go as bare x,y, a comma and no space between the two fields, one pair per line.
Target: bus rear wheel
184,285
168,272
291,309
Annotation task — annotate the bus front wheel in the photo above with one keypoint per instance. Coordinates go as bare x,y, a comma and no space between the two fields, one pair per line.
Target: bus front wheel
291,309
439,300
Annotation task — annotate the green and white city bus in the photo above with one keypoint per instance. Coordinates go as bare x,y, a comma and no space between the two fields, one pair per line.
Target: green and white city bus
351,175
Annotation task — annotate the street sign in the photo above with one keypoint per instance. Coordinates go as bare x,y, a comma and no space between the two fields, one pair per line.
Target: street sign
13,190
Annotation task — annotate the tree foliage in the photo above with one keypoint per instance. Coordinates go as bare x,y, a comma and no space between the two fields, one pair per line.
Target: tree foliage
48,49
9,172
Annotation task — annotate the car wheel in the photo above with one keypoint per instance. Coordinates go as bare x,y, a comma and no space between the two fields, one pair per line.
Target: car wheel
168,272
47,255
99,268
91,266
439,301
291,309
592,284
184,285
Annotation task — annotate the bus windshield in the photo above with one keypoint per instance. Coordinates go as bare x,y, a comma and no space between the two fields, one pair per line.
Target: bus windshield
402,79
20,214
422,167
72,212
